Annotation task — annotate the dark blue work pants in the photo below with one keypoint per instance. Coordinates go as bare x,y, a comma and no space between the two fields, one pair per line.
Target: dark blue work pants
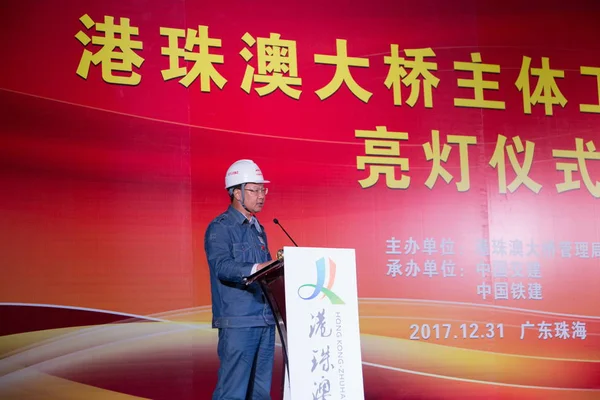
246,356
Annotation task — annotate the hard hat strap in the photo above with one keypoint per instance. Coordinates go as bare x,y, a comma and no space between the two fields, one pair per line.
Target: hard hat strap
243,189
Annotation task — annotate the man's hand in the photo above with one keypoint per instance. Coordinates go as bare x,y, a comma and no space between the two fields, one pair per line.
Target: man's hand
262,265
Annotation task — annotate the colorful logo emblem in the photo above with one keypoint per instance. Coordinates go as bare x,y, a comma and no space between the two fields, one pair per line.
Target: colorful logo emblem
325,280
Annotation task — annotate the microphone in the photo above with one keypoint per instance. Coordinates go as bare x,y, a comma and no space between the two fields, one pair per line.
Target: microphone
276,221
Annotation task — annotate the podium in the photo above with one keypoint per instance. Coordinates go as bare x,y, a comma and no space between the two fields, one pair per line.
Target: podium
313,296
271,281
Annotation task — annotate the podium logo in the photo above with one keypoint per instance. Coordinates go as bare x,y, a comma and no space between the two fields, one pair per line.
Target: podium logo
325,280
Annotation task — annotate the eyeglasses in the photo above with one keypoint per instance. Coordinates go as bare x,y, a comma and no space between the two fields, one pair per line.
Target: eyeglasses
255,192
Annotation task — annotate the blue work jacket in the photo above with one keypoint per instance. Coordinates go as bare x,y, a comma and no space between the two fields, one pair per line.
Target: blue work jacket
233,246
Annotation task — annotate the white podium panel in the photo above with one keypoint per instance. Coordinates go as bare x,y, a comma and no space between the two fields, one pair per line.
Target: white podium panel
322,324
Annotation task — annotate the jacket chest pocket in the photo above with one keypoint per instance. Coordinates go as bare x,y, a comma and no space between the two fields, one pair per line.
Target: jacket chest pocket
241,251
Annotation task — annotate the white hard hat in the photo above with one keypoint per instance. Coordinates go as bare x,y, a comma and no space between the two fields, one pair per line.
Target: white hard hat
243,171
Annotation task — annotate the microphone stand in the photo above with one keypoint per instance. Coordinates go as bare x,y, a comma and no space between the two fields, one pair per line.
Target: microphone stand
276,221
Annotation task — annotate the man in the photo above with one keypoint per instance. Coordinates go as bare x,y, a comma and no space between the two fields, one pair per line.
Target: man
236,246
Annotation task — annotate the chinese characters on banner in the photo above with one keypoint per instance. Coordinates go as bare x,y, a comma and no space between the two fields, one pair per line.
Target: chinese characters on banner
277,67
444,266
508,270
382,158
544,330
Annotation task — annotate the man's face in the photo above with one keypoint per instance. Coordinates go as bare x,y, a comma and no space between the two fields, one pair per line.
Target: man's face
254,197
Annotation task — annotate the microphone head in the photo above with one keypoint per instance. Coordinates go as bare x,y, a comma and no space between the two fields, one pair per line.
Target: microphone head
276,221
